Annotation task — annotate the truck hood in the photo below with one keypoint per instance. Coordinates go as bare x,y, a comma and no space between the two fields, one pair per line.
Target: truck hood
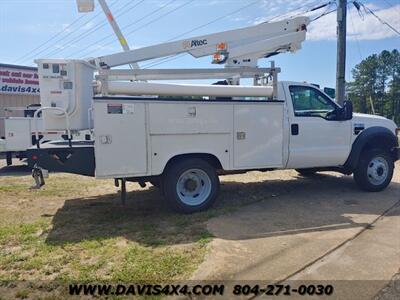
374,120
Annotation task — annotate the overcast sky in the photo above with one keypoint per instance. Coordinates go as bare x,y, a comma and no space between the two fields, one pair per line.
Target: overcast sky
28,24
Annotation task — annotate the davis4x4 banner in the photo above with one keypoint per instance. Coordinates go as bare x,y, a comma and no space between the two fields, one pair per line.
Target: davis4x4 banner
19,80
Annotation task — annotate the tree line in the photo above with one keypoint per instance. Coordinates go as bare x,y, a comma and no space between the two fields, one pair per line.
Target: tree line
375,88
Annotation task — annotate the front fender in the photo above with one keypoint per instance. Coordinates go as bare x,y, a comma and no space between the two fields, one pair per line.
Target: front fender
367,136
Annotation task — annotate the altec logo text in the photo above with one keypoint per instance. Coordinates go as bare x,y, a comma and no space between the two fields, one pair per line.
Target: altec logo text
194,43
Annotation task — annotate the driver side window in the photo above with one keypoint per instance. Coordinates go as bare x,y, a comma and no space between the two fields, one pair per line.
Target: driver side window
309,102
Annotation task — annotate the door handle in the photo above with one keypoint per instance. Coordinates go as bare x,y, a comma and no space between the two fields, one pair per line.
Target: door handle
295,129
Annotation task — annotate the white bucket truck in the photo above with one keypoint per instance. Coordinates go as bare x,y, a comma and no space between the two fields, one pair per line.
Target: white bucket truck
182,137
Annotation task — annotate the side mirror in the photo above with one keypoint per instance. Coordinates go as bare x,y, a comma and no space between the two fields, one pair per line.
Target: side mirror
347,110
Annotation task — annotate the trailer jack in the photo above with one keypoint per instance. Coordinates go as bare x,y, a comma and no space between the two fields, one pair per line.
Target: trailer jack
37,175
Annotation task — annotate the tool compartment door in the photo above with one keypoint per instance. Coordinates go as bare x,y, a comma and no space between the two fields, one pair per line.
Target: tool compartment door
18,133
120,139
258,135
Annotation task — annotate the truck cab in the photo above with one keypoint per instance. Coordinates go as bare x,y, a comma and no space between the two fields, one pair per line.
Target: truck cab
324,135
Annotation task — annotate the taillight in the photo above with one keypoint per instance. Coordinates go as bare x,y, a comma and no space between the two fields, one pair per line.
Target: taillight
34,157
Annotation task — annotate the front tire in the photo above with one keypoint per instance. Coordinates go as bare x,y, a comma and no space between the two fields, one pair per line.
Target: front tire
374,171
191,185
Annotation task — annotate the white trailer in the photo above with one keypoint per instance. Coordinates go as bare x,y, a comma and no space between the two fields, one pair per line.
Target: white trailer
181,137
20,133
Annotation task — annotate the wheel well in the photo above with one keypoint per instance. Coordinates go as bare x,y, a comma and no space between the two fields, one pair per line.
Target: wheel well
210,158
379,142
370,138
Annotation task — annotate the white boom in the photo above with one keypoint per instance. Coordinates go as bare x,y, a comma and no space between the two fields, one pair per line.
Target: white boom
67,84
240,47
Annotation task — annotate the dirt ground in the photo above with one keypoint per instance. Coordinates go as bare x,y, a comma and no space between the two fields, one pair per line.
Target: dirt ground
274,226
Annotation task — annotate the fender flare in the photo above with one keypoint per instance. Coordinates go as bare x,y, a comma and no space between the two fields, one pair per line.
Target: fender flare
364,137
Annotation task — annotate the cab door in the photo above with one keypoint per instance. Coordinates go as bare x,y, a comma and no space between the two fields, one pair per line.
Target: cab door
317,137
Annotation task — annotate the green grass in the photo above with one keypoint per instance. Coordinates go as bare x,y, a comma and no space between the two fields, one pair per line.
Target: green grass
71,231
76,230
24,249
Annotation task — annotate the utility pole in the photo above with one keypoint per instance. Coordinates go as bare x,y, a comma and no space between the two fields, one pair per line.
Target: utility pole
341,51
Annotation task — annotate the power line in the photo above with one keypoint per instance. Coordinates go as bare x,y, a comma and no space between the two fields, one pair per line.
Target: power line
214,20
163,60
158,18
122,28
168,59
149,14
146,24
391,5
289,14
378,18
52,38
356,38
94,29
323,15
32,53
326,12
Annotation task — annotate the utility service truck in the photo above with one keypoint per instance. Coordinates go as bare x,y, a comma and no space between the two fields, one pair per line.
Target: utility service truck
182,137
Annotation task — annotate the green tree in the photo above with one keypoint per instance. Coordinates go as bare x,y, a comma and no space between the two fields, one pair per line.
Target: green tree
376,85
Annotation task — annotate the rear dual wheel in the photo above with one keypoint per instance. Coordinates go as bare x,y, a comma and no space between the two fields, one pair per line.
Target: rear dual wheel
191,185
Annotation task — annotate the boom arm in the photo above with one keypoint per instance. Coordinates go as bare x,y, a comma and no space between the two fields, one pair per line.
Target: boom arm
234,48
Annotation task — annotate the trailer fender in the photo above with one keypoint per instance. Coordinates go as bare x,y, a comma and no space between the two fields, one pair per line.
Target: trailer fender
373,137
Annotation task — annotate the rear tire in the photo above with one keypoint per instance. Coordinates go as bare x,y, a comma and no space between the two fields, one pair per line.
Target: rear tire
306,172
191,185
374,170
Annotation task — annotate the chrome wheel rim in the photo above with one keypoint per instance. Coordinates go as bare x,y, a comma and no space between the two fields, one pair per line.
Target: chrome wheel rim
193,187
378,170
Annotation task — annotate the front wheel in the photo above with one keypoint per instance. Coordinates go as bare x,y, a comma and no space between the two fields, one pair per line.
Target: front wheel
191,185
374,171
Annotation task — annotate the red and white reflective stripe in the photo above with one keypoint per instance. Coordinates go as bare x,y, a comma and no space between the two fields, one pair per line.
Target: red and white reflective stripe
49,132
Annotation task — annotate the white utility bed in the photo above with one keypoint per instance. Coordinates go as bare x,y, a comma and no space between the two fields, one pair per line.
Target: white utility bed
137,137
